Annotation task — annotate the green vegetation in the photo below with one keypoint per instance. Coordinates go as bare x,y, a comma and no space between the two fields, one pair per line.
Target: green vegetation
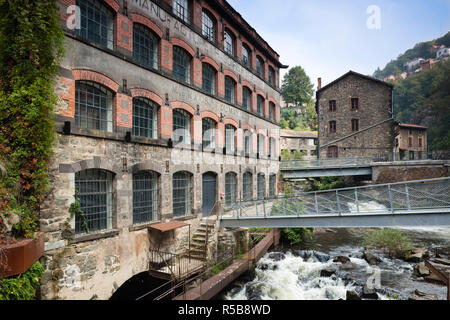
325,183
286,155
393,242
31,44
295,236
303,118
24,286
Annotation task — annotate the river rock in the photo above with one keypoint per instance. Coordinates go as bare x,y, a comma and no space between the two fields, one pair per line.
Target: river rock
421,270
341,259
418,254
371,258
352,295
316,256
418,295
327,272
347,266
368,293
277,256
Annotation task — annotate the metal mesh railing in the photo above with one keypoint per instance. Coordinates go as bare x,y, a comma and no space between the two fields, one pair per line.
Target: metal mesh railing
293,164
402,196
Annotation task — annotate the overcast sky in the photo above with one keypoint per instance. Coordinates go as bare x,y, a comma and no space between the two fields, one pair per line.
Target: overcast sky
330,37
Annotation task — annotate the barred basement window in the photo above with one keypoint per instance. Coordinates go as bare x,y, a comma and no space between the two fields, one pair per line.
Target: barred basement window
97,22
208,133
181,9
247,186
181,64
181,126
230,87
272,185
272,111
261,186
209,78
208,26
259,66
230,189
247,136
145,46
229,138
246,59
93,189
181,200
228,43
246,98
145,118
93,106
145,197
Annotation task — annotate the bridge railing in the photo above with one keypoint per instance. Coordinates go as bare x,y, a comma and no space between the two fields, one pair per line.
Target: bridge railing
401,196
294,164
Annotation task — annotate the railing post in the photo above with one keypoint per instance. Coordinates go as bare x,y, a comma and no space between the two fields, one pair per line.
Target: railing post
316,204
338,203
391,201
256,207
357,201
264,208
284,206
298,209
408,203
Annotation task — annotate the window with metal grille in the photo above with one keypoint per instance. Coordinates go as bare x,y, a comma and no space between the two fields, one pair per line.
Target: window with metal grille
411,155
259,66
208,26
228,43
229,138
145,118
332,152
93,106
261,142
209,78
181,64
145,197
271,76
247,136
208,133
245,55
145,46
332,105
272,111
93,189
181,126
355,103
230,88
230,188
97,22
332,126
355,125
261,186
181,199
246,98
181,9
272,185
260,105
247,186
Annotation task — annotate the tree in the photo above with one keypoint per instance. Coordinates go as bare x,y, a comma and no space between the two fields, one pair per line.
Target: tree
296,87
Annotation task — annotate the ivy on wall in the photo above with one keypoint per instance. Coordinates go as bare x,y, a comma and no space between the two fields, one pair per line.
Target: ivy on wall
24,286
31,44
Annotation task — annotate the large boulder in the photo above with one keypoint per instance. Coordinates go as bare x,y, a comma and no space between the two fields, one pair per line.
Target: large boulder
418,255
327,272
418,295
352,295
421,270
371,258
369,293
341,259
277,256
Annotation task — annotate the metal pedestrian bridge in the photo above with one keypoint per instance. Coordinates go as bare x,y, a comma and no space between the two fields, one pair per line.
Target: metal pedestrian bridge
405,204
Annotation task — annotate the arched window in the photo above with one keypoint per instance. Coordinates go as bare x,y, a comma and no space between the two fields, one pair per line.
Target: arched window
272,142
94,191
260,105
181,64
181,199
230,89
208,26
246,58
272,111
145,118
246,98
93,106
181,126
145,197
97,22
247,186
208,133
261,186
145,46
230,189
230,132
271,76
181,9
272,185
247,138
209,75
229,42
261,142
259,66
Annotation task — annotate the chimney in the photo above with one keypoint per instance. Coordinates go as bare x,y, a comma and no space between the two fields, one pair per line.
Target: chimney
319,83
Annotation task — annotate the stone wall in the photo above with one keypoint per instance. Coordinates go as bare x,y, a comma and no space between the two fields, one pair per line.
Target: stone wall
409,171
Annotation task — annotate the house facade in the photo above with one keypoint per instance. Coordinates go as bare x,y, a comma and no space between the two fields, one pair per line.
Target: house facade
411,142
355,114
165,108
302,141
